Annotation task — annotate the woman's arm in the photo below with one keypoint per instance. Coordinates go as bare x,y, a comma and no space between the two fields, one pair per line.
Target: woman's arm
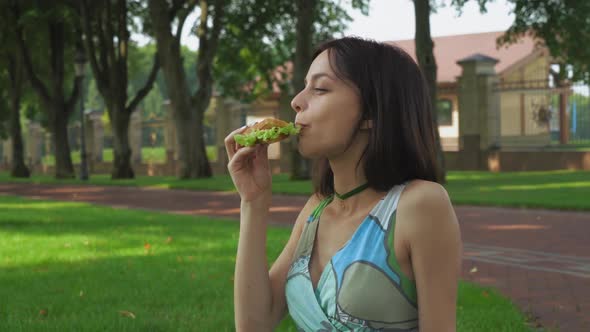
252,287
435,251
259,295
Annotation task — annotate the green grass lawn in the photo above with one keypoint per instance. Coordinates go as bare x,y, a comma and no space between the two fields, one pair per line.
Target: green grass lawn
580,145
568,190
76,267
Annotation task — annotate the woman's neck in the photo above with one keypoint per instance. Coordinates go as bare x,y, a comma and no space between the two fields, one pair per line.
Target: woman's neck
348,177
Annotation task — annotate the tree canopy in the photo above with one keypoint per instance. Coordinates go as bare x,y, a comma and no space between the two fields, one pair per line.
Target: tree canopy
562,25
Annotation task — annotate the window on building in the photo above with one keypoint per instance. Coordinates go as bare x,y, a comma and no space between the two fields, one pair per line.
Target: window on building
444,112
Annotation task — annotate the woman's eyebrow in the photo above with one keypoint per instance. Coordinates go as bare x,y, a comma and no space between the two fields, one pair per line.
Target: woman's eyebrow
318,75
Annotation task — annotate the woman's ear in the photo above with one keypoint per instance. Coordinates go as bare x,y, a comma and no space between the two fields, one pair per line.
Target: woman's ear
367,124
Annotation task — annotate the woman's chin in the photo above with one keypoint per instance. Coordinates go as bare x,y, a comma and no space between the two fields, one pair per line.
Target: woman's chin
307,148
306,152
302,149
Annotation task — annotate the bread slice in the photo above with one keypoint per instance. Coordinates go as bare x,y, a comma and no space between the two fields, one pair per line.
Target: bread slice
267,123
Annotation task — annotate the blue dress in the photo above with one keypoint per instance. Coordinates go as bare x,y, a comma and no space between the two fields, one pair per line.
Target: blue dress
362,288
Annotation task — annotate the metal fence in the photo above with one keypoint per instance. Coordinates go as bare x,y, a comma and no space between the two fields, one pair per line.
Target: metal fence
578,111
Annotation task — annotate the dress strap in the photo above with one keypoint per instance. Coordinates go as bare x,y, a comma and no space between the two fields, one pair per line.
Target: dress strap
318,210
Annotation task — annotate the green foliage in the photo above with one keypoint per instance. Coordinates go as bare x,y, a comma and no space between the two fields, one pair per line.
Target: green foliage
140,62
36,16
106,122
4,114
93,100
362,5
4,108
189,62
7,41
563,25
153,104
139,65
257,37
8,48
331,19
259,40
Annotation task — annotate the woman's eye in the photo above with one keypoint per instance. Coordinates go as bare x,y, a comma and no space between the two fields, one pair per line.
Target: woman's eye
320,90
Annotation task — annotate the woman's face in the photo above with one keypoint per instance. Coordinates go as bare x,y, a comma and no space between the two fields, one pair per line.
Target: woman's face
328,109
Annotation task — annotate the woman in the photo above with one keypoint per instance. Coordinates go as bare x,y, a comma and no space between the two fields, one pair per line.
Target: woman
377,246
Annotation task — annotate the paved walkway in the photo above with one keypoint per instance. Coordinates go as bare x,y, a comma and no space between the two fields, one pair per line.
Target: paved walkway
539,258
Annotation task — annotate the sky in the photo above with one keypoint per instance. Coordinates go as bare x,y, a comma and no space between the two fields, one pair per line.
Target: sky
394,20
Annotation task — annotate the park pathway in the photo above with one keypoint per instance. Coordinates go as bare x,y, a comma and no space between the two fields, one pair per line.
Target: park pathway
539,258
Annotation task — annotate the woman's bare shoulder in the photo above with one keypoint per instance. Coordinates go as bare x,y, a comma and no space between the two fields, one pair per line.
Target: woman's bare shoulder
424,192
313,201
426,206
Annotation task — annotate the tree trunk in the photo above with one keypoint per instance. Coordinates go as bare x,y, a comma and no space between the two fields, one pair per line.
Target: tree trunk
64,167
122,168
187,129
208,41
194,164
121,149
52,95
19,169
188,117
427,62
300,167
107,50
58,125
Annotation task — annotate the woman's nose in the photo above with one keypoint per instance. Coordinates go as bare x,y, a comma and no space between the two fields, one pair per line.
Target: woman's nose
297,103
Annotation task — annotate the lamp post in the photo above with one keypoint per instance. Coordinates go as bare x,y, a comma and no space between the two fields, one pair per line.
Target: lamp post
80,64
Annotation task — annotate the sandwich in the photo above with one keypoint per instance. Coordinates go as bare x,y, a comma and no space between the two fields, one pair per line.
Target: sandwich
267,131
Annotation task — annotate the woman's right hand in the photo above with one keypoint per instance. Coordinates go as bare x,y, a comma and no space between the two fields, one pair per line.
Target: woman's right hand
249,168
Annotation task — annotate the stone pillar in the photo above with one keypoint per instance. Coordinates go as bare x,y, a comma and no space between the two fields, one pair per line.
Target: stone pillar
48,143
135,135
7,152
223,126
170,138
94,132
34,145
228,117
479,111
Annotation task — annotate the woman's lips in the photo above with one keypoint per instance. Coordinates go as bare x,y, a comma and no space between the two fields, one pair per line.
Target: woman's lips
301,125
301,128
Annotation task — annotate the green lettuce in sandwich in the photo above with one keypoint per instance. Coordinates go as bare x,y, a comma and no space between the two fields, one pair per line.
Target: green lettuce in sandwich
266,131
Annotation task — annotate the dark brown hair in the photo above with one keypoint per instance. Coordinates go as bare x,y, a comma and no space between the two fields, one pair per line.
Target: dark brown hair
394,95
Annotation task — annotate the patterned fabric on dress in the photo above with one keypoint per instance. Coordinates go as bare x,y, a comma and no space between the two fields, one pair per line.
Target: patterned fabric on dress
362,287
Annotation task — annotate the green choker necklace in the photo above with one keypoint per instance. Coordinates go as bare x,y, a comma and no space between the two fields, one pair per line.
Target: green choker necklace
353,192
